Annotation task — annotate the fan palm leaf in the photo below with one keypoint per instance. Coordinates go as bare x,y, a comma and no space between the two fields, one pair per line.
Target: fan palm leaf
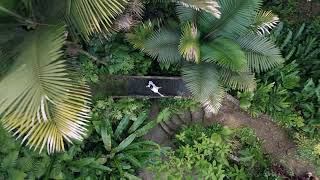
10,37
39,98
261,53
237,16
244,81
225,53
90,16
187,14
140,35
203,82
264,22
163,46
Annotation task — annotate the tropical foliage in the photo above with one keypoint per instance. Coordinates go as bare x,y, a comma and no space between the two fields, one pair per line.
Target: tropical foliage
114,149
50,50
221,50
41,100
290,94
210,153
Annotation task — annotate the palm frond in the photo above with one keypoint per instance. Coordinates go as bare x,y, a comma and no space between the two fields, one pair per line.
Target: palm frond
210,6
187,14
261,53
39,100
135,8
203,81
189,43
264,22
7,5
237,16
10,37
243,81
163,46
225,53
125,23
131,16
90,16
140,34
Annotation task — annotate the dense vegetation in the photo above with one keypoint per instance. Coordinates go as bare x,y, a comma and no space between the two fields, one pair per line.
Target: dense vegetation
215,152
47,58
290,94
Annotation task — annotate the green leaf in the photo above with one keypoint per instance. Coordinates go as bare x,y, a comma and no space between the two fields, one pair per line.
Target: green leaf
7,5
96,165
93,16
134,161
106,138
189,43
140,34
10,160
142,117
123,125
17,175
225,53
238,80
164,115
163,46
236,17
40,99
131,176
203,81
125,143
145,129
261,53
83,162
264,22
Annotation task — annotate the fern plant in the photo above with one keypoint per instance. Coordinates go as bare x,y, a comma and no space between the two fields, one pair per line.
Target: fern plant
221,50
41,100
213,152
18,163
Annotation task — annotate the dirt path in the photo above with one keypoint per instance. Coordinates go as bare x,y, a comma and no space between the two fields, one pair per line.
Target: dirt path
275,140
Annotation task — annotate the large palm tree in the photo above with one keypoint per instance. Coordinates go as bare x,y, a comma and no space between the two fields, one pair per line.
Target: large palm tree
41,100
222,44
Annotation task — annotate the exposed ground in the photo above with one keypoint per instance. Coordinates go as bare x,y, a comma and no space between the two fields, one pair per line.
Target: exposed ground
276,142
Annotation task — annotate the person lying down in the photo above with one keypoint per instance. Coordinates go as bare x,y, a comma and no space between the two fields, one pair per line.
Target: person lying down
154,88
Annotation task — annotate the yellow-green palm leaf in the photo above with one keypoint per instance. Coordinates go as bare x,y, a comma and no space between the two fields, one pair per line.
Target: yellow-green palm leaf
189,43
39,100
90,16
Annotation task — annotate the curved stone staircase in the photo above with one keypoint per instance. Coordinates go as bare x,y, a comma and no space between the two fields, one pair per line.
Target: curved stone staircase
275,140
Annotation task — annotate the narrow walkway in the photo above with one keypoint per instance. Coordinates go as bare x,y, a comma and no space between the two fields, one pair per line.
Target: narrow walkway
136,86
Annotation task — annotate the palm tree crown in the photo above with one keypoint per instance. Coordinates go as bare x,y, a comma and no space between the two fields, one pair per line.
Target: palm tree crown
222,42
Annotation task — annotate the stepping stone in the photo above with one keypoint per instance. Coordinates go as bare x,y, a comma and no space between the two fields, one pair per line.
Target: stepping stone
174,123
158,135
166,129
154,111
208,118
177,121
146,175
186,117
197,115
